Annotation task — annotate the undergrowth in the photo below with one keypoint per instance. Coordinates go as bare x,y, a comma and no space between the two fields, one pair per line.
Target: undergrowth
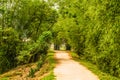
44,66
50,61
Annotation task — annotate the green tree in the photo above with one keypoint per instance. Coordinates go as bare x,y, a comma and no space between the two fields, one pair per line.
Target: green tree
23,24
92,30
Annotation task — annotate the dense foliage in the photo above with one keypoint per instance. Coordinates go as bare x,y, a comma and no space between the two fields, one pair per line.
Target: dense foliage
25,31
89,27
92,28
9,49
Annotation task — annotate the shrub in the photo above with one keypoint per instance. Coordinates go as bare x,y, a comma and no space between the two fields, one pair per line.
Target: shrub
9,49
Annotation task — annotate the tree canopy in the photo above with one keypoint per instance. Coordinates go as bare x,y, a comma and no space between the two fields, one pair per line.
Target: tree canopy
92,29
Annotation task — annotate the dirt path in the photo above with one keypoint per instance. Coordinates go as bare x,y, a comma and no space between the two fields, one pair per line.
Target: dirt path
68,69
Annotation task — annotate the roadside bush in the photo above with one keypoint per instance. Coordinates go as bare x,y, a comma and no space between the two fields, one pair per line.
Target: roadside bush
9,49
33,52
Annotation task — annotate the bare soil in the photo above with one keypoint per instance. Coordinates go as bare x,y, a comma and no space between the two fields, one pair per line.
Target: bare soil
22,72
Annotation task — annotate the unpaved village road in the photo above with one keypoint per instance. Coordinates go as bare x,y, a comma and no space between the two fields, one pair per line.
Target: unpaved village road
68,69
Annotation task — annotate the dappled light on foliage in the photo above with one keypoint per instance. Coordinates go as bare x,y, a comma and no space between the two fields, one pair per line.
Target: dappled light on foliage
25,31
91,28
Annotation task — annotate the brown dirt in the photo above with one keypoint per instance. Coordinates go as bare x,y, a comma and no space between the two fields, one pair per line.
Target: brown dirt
68,69
22,72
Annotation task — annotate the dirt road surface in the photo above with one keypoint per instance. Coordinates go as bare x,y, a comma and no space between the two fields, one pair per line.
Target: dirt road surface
68,69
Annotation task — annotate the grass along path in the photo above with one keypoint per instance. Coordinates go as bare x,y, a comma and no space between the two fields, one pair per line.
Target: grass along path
93,68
